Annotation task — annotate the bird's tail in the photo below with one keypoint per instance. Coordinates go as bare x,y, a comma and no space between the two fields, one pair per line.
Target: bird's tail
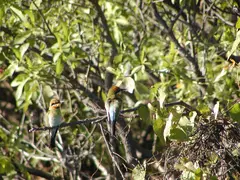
53,135
112,128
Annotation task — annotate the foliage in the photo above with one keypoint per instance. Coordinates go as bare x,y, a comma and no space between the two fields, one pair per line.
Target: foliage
177,60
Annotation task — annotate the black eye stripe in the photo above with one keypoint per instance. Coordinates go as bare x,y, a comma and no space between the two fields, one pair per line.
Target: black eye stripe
54,103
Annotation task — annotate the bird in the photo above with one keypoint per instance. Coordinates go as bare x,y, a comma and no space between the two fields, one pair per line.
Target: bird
113,105
54,118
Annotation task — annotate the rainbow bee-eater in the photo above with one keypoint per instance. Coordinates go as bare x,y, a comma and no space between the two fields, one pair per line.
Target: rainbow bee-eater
55,118
113,105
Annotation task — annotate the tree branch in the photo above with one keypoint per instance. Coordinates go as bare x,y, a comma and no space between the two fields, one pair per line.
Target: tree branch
109,76
110,152
85,121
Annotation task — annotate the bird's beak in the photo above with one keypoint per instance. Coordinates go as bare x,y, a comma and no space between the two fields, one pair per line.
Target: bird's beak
124,90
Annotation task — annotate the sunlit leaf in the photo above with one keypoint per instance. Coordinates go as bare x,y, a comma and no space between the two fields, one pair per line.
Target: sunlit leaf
161,97
59,67
128,84
65,30
56,56
138,173
117,34
19,13
223,73
168,127
135,70
10,70
238,24
3,136
20,89
5,165
158,127
23,49
20,38
118,58
122,21
19,79
235,44
216,109
235,112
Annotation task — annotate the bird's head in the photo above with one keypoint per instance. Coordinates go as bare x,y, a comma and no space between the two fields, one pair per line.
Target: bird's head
54,103
113,91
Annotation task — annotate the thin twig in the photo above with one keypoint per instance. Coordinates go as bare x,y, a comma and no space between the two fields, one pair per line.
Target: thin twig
85,121
110,40
184,52
41,14
110,152
181,103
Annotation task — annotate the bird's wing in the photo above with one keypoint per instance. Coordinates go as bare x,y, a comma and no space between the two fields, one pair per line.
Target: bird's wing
114,109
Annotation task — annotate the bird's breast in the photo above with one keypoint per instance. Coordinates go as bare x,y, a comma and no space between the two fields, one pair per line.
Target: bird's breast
55,120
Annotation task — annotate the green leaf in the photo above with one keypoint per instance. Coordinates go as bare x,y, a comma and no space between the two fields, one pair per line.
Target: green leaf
3,136
10,70
158,128
112,70
23,49
56,56
2,13
65,30
235,44
117,34
138,173
154,90
19,91
219,77
213,178
136,69
168,127
32,88
37,2
129,84
122,21
5,165
184,121
141,90
59,67
20,38
216,110
161,97
144,113
178,134
19,13
198,174
142,55
235,112
118,58
238,24
59,42
17,53
19,79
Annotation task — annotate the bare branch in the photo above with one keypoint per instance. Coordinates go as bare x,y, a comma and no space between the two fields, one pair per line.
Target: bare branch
182,50
109,76
85,121
110,152
181,103
41,14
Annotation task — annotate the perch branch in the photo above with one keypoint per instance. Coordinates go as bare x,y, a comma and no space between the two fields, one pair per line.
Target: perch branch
85,121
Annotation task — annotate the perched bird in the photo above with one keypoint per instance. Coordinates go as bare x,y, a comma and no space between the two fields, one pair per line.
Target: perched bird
55,118
113,105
